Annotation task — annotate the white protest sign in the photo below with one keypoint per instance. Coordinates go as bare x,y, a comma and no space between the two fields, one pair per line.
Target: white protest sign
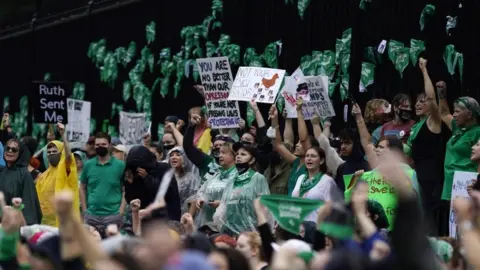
256,83
461,180
319,101
132,127
302,86
216,77
78,127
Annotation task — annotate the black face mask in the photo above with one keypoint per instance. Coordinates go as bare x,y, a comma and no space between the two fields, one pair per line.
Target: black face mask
242,167
101,151
168,147
54,159
405,115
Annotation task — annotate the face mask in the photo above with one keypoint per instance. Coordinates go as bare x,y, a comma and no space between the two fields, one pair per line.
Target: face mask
405,115
54,159
101,151
168,147
242,167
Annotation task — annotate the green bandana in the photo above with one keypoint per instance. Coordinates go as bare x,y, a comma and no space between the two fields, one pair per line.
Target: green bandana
244,178
308,184
463,101
226,173
414,131
289,212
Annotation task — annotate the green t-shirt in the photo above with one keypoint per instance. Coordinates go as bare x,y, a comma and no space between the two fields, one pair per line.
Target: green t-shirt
296,172
104,186
457,155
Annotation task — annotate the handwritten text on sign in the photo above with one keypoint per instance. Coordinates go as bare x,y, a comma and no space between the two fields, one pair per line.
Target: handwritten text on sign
217,81
132,127
256,83
51,106
461,180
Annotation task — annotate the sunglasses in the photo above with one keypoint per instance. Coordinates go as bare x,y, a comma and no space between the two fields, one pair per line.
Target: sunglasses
11,149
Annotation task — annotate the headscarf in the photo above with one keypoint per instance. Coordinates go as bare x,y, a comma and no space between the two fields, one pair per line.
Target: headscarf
470,104
54,180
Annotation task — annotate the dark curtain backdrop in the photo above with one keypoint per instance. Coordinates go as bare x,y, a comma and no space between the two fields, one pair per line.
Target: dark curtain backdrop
62,49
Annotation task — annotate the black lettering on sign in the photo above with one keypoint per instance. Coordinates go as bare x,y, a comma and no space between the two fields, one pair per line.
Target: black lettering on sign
51,102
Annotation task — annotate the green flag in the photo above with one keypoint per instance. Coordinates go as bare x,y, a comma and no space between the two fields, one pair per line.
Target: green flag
289,212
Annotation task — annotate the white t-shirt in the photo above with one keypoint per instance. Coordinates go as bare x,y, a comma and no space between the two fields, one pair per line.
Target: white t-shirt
321,191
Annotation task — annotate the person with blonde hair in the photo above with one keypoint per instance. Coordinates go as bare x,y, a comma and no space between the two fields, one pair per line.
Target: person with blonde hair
250,244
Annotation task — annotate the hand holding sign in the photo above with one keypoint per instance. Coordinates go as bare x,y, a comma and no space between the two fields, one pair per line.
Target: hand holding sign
299,103
273,113
61,128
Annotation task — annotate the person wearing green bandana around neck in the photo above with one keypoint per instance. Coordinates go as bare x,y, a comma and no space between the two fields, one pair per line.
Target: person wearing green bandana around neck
315,184
427,140
210,193
465,134
297,158
236,213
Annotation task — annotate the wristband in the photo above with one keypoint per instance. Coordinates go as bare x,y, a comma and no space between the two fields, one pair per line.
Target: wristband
22,206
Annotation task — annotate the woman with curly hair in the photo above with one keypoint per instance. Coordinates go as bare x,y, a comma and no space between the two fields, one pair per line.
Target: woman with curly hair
377,113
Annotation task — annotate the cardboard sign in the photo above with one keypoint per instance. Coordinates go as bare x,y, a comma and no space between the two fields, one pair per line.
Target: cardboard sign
461,180
51,102
78,128
258,84
132,127
217,81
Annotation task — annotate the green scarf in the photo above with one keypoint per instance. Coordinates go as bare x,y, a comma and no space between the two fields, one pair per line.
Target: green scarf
244,178
308,184
414,131
226,173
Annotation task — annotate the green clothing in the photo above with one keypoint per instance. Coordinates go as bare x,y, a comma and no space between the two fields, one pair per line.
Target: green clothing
208,169
457,156
8,245
104,186
296,172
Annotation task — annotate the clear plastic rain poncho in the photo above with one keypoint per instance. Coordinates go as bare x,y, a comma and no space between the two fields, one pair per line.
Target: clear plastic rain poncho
188,180
212,190
236,213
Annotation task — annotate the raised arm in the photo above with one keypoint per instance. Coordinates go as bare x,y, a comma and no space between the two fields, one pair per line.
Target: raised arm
365,140
66,145
277,142
443,108
258,115
176,133
430,94
196,156
302,126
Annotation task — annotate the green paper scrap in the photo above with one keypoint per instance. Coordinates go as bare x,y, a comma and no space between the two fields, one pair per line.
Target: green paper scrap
96,51
147,101
305,63
180,64
148,58
460,65
210,48
121,56
112,131
131,52
328,64
6,103
280,103
302,7
114,110
93,125
24,105
198,51
367,74
217,7
138,95
248,56
344,86
427,13
127,91
449,57
270,55
363,4
393,47
78,91
150,32
332,87
216,25
344,61
234,54
316,62
250,115
257,61
105,124
370,54
206,24
402,59
109,70
160,131
164,84
47,77
223,43
416,48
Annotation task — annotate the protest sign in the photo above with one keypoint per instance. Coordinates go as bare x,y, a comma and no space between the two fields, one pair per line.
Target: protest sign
378,190
319,102
461,180
302,85
256,83
132,127
217,81
78,128
50,102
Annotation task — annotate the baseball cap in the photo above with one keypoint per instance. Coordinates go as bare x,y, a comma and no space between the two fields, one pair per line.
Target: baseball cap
239,145
120,148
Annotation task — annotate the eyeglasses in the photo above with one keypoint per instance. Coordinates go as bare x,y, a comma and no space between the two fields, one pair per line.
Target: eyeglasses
11,149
